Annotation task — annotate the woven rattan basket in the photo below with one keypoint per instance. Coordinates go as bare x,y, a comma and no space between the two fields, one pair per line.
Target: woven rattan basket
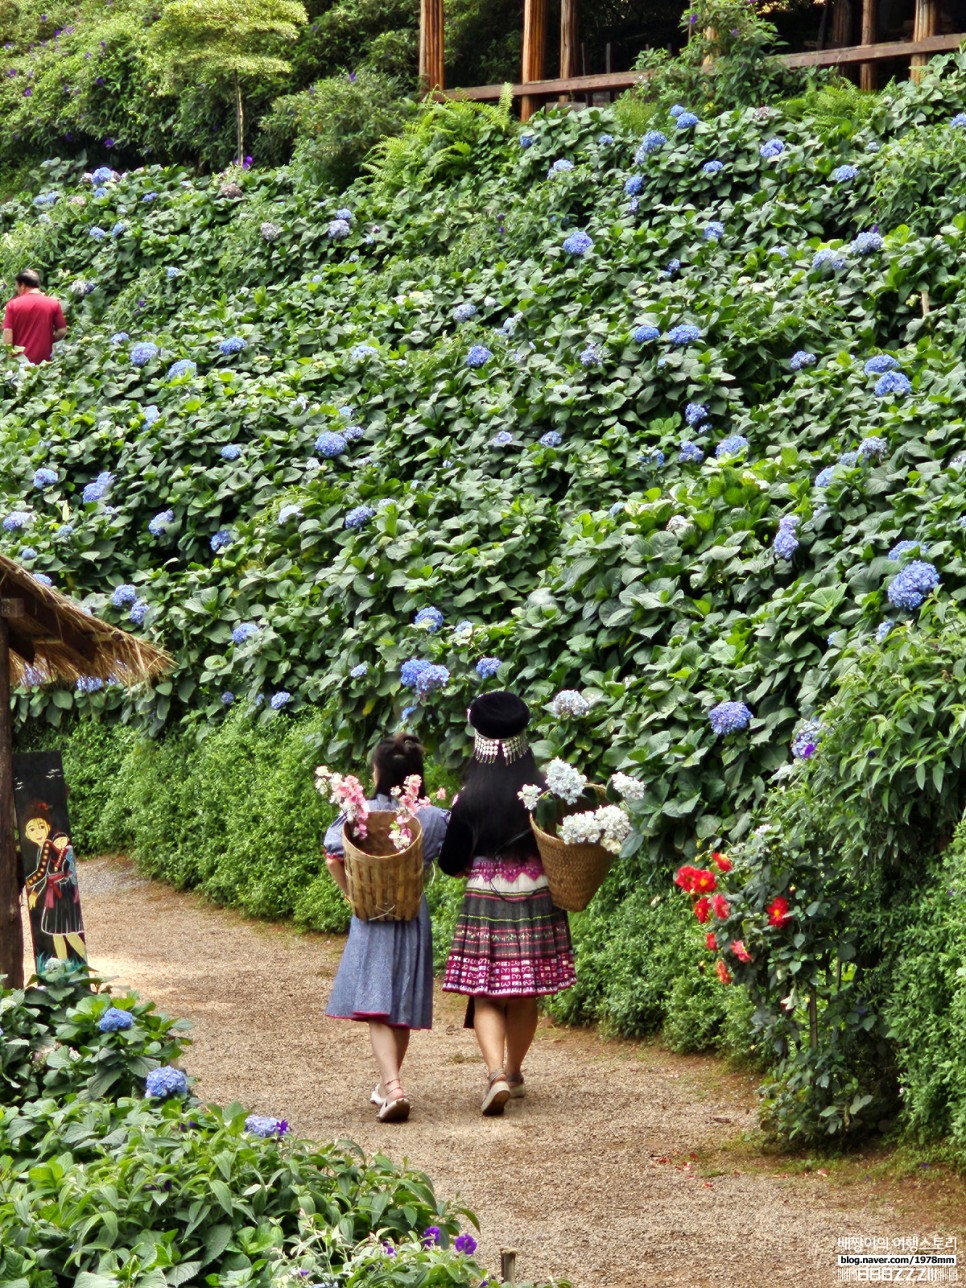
385,884
574,872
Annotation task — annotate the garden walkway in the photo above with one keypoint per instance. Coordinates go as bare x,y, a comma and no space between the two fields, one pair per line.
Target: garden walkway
624,1165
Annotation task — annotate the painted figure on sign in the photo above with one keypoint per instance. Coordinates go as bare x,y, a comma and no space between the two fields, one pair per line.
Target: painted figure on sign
53,883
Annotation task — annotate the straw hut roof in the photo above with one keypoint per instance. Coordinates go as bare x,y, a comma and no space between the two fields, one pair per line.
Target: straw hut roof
53,639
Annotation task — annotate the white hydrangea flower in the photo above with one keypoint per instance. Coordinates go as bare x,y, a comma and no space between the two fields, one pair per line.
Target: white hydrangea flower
614,826
580,829
630,789
530,794
565,781
569,702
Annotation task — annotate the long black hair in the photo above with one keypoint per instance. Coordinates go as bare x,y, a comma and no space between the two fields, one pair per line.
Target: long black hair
394,759
489,818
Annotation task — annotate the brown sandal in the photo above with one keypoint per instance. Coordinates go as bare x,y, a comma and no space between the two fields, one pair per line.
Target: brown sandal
395,1109
497,1094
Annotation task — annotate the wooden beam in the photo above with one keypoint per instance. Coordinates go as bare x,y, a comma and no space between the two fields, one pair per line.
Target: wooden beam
925,22
868,72
569,38
431,45
11,927
534,51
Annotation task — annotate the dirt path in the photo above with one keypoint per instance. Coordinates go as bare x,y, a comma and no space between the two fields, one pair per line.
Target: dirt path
624,1165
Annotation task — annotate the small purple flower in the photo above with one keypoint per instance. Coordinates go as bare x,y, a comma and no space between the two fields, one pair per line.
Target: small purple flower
431,1236
465,1243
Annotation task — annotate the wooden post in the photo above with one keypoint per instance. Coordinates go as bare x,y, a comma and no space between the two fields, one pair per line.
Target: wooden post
841,34
569,38
925,23
534,51
868,72
11,927
508,1266
431,45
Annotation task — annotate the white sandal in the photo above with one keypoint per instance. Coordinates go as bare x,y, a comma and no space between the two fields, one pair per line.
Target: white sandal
497,1094
397,1109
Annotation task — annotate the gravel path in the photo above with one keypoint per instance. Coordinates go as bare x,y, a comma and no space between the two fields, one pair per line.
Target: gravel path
619,1168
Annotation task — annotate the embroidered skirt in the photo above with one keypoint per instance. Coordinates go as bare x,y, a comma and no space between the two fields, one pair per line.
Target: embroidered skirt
510,938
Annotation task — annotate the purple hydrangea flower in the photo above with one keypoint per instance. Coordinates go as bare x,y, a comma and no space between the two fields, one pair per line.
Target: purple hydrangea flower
139,611
786,542
728,717
230,452
903,547
463,312
683,334
732,446
227,698
713,167
801,359
552,438
881,363
909,588
411,671
695,413
633,185
873,448
221,539
893,382
161,522
44,478
338,229
844,173
644,334
806,739
867,244
141,354
430,679
114,1020
430,619
183,367
690,453
165,1082
714,230
478,356
560,167
487,667
98,489
234,344
771,149
578,243
652,142
357,517
330,445
280,700
260,1125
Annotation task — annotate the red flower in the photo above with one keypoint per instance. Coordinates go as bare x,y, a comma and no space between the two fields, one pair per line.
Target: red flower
710,942
722,863
721,906
702,910
740,951
684,878
724,974
778,911
704,881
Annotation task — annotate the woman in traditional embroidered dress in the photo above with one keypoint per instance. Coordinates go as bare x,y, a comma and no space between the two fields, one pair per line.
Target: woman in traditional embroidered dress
511,944
54,881
386,974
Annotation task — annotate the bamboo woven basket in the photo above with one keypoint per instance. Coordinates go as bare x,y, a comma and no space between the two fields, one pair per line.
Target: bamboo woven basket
385,884
574,872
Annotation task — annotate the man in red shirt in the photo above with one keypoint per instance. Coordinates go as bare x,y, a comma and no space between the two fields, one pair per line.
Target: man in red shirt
33,321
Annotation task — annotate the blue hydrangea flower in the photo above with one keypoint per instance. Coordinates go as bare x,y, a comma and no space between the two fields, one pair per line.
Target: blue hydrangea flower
616,509
873,448
881,363
119,229
430,619
360,351
352,432
551,438
653,458
43,579
89,684
677,110
430,679
824,477
114,1020
289,512
44,200
578,243
633,185
909,588
802,358
345,213
259,1125
100,192
149,197
244,631
714,230
124,595
478,356
463,312
671,270
161,522
633,206
560,167
526,141
873,146
786,542
687,121
141,354
770,149
230,452
883,630
731,446
806,738
221,539
893,382
411,671
959,121
44,478
728,717
97,233
172,272
103,174
338,229
359,671
903,547
151,414
503,439
64,531
844,173
28,554
98,489
867,244
695,413
119,337
690,453
652,141
163,1083
644,334
683,334
227,698
605,140
713,167
487,667
330,445
360,515
280,700
234,344
591,356
826,258
183,367
139,611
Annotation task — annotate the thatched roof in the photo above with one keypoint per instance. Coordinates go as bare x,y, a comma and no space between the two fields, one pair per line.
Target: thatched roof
53,639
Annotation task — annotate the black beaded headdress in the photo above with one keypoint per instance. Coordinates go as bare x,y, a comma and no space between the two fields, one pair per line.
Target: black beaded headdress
500,720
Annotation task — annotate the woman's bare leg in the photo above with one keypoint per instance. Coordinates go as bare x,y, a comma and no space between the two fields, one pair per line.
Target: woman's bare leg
521,1025
389,1046
490,1025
